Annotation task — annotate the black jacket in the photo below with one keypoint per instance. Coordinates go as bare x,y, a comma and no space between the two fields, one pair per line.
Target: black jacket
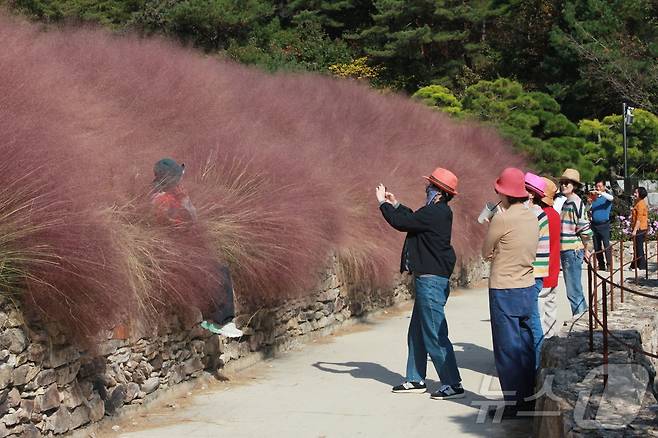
427,246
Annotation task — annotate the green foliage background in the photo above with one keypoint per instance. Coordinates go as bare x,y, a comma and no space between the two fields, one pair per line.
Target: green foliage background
569,64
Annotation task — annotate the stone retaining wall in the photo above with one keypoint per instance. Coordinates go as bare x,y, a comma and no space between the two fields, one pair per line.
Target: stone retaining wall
50,387
573,404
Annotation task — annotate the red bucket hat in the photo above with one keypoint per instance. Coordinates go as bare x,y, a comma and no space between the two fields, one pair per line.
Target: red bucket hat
511,182
444,179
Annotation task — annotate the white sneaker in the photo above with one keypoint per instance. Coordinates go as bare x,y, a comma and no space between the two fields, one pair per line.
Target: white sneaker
230,331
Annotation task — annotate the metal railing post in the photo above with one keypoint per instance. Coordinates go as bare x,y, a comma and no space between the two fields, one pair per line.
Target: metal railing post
646,256
635,256
591,315
605,338
595,290
612,274
621,268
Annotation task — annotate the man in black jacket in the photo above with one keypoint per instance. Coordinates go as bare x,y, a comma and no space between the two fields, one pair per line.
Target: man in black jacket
429,256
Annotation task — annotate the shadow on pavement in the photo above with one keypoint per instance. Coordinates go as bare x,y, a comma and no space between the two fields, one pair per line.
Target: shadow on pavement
362,370
641,281
373,371
515,428
475,358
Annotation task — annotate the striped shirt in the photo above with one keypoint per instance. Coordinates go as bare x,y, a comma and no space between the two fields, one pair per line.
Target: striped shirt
540,265
574,225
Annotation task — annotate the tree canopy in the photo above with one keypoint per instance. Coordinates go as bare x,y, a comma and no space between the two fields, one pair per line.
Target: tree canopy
570,63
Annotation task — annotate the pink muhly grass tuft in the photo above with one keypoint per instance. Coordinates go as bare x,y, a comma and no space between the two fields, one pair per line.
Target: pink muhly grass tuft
282,169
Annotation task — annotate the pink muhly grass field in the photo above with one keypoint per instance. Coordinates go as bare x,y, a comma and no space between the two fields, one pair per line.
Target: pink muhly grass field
282,169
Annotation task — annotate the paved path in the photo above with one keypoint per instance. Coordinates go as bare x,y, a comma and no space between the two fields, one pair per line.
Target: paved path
340,387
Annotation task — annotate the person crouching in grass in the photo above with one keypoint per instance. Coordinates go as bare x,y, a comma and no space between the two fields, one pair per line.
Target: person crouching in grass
428,255
511,246
173,206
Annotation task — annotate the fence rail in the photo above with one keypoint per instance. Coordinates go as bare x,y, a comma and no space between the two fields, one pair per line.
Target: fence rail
608,286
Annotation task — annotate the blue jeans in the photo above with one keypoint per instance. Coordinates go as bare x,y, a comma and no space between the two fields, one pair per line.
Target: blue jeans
224,301
511,310
572,268
601,237
428,332
535,322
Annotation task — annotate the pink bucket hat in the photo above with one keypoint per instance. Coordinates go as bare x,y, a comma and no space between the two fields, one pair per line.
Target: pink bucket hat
511,182
536,184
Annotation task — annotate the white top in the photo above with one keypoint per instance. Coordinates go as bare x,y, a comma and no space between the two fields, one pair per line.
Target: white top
607,195
558,203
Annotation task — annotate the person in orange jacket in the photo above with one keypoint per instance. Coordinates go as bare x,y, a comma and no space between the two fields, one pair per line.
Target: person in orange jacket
639,226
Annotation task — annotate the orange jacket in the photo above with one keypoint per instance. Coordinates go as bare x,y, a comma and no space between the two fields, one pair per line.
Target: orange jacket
640,213
174,207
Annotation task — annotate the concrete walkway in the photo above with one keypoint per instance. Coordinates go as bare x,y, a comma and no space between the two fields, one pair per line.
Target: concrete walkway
340,387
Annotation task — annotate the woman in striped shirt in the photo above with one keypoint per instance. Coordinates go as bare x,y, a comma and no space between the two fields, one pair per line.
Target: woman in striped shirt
536,186
575,235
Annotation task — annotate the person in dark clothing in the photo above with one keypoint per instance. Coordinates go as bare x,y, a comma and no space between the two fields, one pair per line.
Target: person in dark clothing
600,223
428,255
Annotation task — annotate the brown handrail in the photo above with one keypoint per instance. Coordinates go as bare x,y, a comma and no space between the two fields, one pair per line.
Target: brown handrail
592,285
629,346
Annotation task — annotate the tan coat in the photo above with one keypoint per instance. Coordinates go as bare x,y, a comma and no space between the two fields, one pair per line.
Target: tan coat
511,245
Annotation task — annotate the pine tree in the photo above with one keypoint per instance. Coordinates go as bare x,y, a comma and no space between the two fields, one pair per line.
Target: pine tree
335,16
423,40
612,47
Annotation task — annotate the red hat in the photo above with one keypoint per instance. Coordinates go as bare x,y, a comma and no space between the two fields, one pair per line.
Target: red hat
511,182
443,179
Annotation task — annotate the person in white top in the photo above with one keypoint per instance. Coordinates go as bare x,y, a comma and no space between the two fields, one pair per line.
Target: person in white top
558,202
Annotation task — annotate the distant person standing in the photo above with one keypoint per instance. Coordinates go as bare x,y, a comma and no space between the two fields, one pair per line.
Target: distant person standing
575,236
428,255
639,226
511,246
548,295
600,224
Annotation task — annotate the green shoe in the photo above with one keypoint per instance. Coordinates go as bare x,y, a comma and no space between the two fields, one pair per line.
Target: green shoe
211,327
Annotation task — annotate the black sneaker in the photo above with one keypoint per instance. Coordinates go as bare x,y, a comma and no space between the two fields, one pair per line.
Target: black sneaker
410,388
449,391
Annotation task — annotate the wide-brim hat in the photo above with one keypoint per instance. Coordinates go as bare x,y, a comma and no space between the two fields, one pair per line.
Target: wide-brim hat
571,175
535,184
551,190
511,182
444,179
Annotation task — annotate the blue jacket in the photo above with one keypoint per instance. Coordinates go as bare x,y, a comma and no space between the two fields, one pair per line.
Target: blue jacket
601,210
